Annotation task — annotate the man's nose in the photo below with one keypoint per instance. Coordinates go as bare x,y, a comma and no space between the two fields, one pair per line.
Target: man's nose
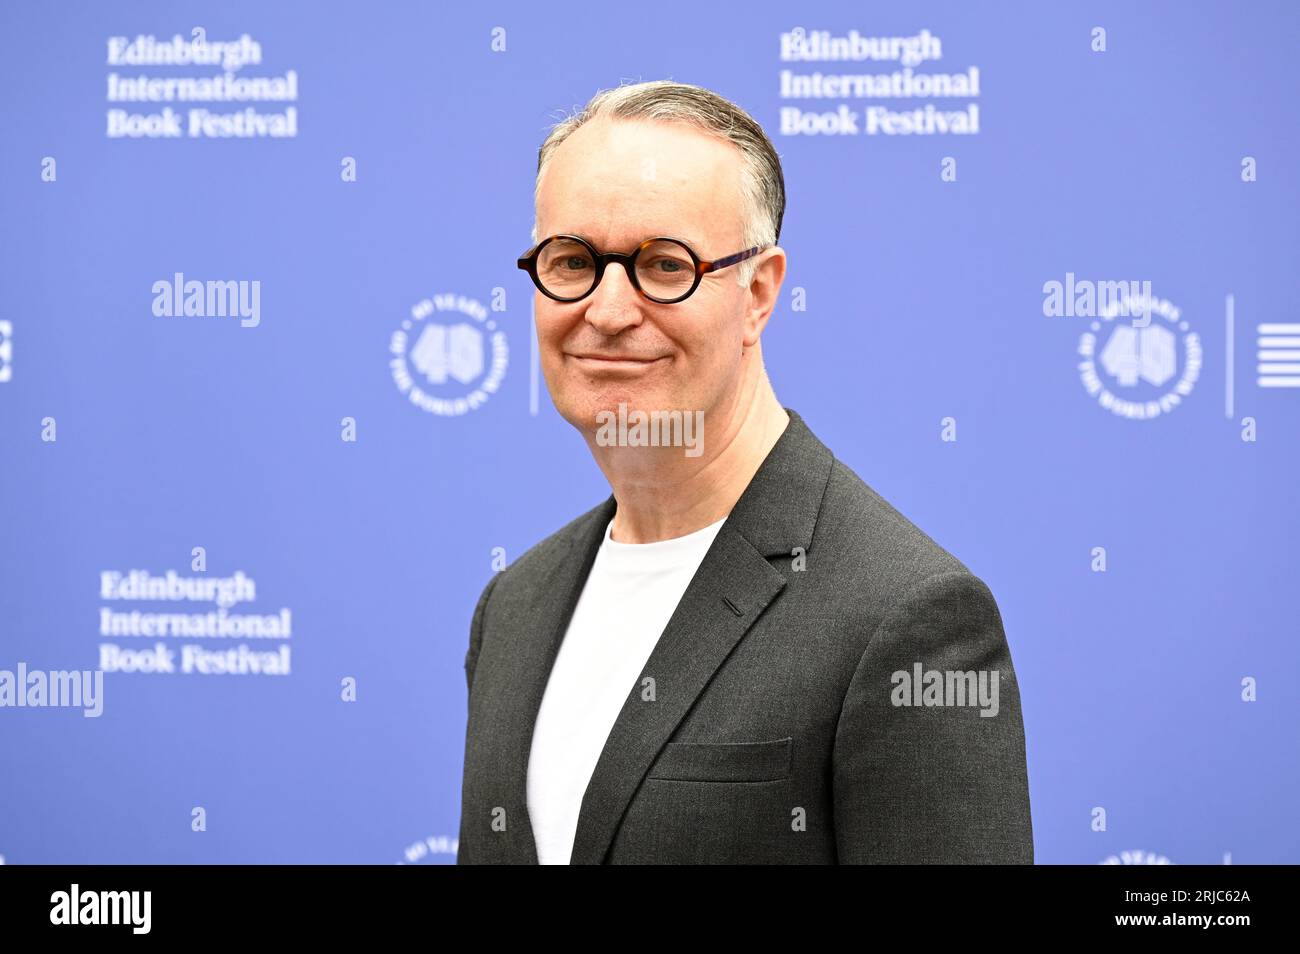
615,304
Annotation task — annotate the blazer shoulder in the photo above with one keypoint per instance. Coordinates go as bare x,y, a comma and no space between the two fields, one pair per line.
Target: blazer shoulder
864,529
517,589
538,559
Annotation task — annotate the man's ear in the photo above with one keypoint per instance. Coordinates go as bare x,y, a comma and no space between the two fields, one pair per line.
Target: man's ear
763,293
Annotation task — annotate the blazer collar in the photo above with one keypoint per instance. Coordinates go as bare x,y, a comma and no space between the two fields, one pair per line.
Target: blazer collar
776,513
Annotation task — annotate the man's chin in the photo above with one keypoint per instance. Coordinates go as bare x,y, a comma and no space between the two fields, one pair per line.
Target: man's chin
587,411
589,416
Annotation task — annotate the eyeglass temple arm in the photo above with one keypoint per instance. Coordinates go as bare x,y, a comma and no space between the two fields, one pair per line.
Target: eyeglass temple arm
730,259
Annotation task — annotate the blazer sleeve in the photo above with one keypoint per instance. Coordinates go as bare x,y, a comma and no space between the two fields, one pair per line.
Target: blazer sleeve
927,784
476,633
463,855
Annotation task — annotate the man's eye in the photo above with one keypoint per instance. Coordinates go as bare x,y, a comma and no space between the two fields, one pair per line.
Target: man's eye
568,263
673,266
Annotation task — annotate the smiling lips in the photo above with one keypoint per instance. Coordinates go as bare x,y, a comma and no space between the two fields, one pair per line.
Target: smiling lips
614,362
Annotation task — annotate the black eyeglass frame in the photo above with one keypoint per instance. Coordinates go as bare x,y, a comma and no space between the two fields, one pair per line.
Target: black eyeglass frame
528,262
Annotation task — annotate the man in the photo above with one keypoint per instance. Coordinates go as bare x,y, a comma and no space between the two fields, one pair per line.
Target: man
744,655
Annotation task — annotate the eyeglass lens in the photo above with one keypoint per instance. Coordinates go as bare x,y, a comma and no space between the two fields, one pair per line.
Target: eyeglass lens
664,269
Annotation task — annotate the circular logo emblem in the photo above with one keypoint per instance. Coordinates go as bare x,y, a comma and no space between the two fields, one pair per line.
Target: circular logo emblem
1137,857
449,357
1143,367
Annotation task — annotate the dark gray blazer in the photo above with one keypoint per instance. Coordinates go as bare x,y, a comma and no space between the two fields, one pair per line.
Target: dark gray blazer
776,730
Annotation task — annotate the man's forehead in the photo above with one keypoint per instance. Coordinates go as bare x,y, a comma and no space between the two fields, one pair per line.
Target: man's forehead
596,238
639,147
619,223
626,181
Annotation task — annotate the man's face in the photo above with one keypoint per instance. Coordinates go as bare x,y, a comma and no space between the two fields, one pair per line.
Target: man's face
617,183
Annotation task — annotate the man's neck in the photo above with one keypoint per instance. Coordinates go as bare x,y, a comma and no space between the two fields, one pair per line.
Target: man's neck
662,493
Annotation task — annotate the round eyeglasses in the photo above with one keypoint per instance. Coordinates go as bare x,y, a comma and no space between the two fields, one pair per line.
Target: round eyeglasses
665,270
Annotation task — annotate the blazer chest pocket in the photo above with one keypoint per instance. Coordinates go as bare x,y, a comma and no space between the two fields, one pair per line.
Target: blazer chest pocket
724,761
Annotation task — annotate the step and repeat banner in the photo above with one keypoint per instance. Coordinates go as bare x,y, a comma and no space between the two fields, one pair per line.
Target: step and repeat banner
271,414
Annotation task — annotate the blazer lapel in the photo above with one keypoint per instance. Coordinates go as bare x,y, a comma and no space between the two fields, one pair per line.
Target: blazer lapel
531,663
733,585
702,631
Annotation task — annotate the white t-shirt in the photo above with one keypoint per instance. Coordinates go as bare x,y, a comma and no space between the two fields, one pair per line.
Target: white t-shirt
627,600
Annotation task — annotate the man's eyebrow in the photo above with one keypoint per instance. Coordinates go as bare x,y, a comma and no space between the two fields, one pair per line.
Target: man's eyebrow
693,242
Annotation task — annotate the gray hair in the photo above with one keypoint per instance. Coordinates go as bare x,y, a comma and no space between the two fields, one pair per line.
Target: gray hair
762,185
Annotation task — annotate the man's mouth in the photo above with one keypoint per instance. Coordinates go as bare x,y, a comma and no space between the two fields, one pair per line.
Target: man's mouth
602,362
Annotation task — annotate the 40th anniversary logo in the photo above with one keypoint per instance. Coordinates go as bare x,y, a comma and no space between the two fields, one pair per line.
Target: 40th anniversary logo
1142,369
443,363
